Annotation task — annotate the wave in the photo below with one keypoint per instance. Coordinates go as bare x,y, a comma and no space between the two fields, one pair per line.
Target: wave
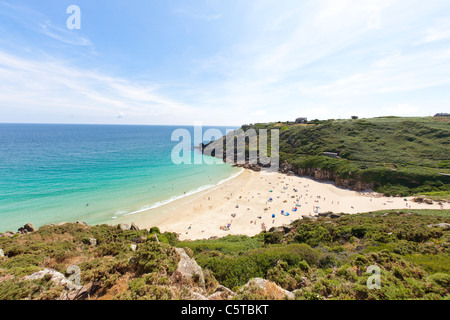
174,198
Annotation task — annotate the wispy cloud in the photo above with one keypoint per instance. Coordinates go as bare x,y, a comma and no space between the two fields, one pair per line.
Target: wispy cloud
63,34
438,32
38,22
194,13
318,58
323,52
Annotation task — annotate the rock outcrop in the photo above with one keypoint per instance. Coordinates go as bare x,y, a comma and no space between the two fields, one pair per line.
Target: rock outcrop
72,290
328,175
443,225
29,227
353,183
222,293
188,270
7,234
267,289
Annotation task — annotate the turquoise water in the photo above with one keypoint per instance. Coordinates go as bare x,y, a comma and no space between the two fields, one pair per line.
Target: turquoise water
92,173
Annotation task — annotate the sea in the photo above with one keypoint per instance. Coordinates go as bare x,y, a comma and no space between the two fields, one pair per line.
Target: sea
52,173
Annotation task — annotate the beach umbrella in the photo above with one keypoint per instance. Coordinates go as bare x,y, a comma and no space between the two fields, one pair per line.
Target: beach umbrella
273,216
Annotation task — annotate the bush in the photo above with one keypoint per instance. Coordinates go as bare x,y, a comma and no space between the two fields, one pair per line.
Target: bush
441,279
156,257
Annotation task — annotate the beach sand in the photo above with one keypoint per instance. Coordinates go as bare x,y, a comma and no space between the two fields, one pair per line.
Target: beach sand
242,205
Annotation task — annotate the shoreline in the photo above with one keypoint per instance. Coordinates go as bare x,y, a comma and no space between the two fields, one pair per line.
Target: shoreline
179,197
241,205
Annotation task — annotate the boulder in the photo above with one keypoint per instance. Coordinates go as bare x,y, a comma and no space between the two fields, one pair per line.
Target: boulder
72,292
198,296
268,289
29,227
439,225
418,199
2,253
188,270
222,293
7,234
77,294
124,226
21,230
276,229
93,242
56,277
134,227
26,228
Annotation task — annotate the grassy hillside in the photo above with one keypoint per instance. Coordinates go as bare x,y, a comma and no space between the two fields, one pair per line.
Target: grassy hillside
396,155
323,258
328,258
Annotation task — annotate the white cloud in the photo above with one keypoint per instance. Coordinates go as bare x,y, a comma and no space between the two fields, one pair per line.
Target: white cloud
438,32
63,34
52,87
318,58
401,110
36,21
195,13
259,113
321,53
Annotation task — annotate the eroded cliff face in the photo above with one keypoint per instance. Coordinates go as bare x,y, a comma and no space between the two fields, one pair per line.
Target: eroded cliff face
316,173
327,175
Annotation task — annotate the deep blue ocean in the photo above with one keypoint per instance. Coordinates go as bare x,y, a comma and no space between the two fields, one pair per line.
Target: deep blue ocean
94,173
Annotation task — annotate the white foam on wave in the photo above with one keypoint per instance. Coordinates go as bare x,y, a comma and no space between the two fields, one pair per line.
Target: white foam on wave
174,198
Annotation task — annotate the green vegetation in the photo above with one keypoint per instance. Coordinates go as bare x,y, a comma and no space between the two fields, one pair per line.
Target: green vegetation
397,156
328,258
323,258
103,266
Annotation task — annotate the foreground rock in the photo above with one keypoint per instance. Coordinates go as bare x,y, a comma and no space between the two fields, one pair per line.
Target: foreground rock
72,290
29,227
188,270
222,293
267,289
7,234
440,225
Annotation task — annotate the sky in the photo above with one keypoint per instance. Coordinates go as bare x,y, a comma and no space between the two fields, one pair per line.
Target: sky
227,62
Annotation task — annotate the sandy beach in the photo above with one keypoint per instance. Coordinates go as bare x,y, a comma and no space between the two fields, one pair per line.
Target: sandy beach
254,201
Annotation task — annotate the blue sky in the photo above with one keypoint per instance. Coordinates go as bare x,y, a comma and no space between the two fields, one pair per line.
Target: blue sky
222,62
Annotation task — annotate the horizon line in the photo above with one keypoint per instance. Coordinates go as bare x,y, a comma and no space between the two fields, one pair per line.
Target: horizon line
208,125
115,124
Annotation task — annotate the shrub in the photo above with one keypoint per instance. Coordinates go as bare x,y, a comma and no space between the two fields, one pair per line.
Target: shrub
156,257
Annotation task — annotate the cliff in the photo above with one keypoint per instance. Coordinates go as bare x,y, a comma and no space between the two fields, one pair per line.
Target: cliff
394,156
